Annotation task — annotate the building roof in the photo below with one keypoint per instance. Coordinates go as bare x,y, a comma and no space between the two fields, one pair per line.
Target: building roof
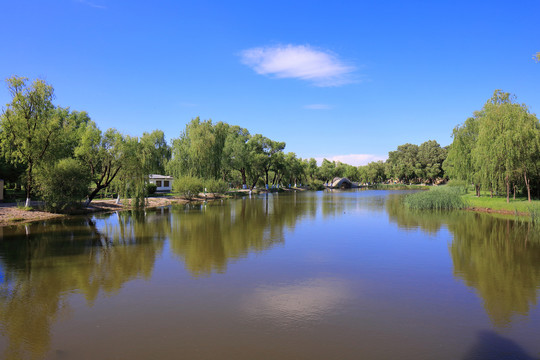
156,176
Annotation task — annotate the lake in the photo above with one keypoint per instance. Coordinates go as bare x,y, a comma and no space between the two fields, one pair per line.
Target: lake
311,275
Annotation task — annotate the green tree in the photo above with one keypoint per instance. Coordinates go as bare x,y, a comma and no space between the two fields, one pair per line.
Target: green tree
403,163
63,184
199,150
431,157
103,154
459,163
29,125
155,152
508,146
236,152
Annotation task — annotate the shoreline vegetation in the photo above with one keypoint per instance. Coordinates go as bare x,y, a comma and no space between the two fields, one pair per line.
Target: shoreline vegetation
430,198
59,157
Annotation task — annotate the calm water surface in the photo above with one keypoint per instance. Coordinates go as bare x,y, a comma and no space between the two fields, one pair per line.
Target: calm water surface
326,275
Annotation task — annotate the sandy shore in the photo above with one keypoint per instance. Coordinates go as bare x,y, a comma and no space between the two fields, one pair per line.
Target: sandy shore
10,214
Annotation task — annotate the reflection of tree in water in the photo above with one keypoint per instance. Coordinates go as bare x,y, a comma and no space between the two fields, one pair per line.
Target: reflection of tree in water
59,258
336,202
500,258
405,218
209,236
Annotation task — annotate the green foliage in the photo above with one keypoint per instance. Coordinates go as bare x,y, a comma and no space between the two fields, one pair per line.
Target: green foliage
216,186
29,125
63,184
439,198
316,185
534,212
460,186
188,186
151,188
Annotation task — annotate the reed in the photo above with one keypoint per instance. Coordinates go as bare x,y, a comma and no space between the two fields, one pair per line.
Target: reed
439,198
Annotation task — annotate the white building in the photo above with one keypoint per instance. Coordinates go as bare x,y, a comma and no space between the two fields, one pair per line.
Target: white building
162,182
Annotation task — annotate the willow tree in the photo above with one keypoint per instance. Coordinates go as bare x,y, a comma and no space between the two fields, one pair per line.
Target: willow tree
508,142
103,154
236,152
198,151
459,163
29,125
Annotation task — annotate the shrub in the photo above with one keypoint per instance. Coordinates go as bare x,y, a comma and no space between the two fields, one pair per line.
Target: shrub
216,186
151,188
439,198
188,186
316,185
63,185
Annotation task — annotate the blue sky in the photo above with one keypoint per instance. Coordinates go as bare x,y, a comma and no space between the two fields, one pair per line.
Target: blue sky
347,80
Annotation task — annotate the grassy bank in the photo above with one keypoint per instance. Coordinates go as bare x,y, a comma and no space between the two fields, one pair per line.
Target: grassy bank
498,203
398,187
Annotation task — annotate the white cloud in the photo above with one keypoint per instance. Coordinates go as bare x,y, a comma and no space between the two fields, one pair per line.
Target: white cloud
352,159
318,107
322,68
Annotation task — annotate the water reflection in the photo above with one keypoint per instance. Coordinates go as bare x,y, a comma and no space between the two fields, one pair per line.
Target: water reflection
492,346
231,230
56,259
293,304
499,258
45,265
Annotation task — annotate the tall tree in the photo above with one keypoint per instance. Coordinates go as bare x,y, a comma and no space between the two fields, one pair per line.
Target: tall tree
430,157
154,152
459,163
29,125
507,147
103,153
236,152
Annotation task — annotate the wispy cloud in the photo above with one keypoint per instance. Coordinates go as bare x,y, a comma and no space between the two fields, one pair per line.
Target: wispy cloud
353,159
317,107
91,4
320,67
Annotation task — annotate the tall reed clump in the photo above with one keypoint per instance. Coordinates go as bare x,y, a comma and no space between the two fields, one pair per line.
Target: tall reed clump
534,212
439,198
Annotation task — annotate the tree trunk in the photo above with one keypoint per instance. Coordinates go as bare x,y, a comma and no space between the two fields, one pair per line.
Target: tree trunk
93,194
528,185
243,172
477,189
507,189
29,183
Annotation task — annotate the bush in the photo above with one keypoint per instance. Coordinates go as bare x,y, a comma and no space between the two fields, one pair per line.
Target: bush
316,185
188,186
216,186
151,188
63,185
439,198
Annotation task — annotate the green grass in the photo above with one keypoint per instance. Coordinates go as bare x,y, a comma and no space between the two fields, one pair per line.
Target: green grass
499,203
437,198
398,187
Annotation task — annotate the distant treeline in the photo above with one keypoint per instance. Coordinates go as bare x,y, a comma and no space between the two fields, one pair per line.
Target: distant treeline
61,155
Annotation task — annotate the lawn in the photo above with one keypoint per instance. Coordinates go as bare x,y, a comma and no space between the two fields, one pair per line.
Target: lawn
499,203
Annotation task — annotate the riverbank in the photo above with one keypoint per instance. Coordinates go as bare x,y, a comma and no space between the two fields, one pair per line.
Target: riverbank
498,204
10,214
